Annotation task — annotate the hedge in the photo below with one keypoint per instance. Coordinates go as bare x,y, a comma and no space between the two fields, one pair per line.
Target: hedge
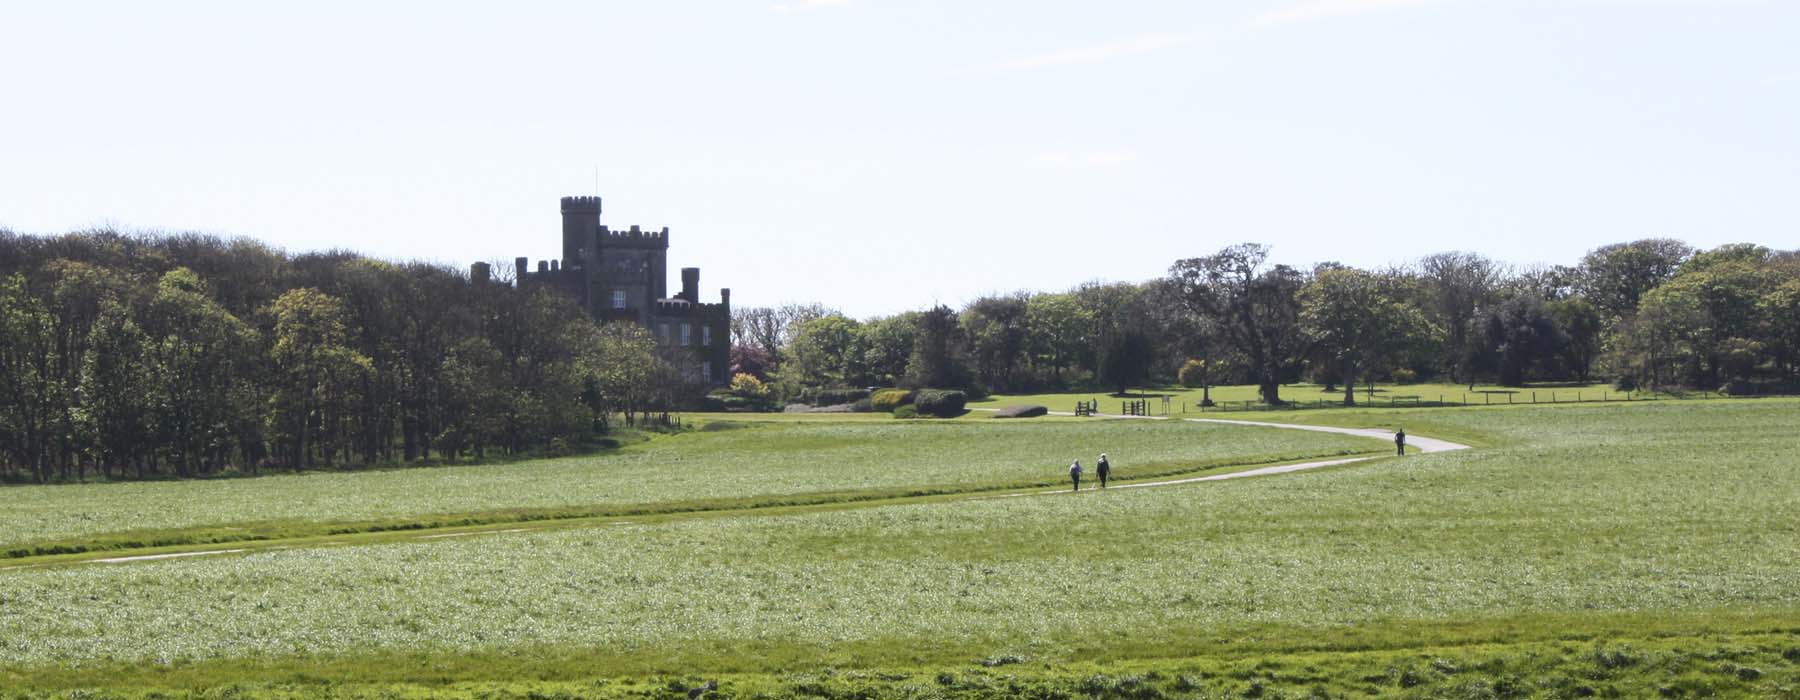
941,403
886,400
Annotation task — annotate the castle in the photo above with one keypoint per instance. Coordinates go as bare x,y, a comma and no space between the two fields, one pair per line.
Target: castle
623,276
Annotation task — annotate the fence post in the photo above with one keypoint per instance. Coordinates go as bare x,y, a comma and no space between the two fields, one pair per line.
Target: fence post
1534,397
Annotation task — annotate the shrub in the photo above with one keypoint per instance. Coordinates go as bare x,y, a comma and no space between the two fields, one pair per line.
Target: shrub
907,411
1021,412
1192,373
862,406
1405,376
748,386
940,402
886,400
1196,373
837,395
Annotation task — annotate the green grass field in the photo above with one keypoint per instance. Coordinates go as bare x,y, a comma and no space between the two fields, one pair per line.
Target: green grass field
782,462
1642,550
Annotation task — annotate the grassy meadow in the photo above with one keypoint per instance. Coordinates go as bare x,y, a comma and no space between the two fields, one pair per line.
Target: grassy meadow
734,464
1597,550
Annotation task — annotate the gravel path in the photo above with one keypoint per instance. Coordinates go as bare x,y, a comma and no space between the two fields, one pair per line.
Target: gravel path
1422,444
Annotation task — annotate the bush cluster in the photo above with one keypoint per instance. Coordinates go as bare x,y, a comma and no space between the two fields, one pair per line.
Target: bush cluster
833,396
886,400
941,402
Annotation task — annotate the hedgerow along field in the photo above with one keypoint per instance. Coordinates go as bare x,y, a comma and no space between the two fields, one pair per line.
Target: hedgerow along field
1623,551
1241,397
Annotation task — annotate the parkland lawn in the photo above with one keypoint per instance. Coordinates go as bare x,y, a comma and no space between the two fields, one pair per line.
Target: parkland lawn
1602,550
733,461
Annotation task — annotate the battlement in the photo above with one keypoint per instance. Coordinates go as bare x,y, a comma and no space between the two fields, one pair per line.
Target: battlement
581,205
682,307
635,235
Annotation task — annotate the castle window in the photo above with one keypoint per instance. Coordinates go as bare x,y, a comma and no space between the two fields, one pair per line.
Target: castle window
618,298
662,332
687,331
706,370
706,336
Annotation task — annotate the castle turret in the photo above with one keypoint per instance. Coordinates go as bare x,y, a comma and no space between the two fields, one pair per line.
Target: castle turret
581,219
690,285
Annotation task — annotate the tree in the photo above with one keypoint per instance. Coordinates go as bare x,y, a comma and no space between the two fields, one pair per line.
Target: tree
824,351
887,345
319,373
1256,308
1615,277
1125,358
1457,287
199,357
937,353
1357,319
1581,324
114,377
25,378
1705,310
1516,336
1781,306
1060,329
996,332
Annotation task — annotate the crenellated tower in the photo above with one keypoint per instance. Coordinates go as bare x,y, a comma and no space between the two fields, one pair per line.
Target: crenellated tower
623,276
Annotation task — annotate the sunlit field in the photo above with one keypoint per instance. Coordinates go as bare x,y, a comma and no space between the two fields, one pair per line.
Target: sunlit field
1579,550
724,461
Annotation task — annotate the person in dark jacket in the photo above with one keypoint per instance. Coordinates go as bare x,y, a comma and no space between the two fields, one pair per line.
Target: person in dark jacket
1103,469
1400,441
1075,475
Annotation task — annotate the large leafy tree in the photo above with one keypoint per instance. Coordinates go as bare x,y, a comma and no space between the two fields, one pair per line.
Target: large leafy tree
1256,307
319,374
1060,328
888,344
996,329
1615,277
937,354
1359,320
825,351
1515,337
1455,288
199,357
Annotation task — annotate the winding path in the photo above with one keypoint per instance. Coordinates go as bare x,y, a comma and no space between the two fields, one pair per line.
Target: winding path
1425,445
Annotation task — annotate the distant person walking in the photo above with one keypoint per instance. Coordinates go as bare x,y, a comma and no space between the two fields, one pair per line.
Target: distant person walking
1400,441
1075,475
1103,469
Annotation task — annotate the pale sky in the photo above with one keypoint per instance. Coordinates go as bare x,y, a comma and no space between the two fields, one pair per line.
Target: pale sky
880,156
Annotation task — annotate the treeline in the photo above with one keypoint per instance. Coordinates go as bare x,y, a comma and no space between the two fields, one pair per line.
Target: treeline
142,357
1650,313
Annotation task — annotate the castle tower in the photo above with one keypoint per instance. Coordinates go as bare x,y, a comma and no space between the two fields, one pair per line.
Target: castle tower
581,219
